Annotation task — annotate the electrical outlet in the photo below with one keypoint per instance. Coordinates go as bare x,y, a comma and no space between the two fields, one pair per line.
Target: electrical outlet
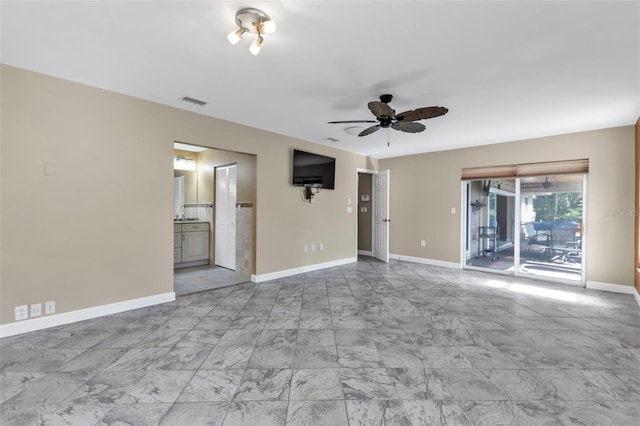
313,247
36,309
50,307
320,246
423,243
306,247
21,312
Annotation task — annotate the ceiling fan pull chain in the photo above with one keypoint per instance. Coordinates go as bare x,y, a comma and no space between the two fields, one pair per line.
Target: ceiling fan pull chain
388,137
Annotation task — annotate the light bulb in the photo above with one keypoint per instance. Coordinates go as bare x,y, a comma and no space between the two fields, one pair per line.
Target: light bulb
235,35
256,45
267,27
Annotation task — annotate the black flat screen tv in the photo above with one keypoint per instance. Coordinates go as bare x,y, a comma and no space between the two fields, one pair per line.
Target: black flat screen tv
313,170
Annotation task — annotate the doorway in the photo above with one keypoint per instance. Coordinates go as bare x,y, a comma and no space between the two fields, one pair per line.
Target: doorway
198,210
530,226
372,219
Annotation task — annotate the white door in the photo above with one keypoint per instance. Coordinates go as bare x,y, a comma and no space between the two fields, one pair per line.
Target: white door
226,191
381,216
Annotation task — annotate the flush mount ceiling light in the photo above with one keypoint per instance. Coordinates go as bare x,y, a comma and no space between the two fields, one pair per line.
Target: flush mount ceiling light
252,21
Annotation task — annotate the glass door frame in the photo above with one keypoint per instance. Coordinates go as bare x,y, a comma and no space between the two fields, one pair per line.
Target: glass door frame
464,252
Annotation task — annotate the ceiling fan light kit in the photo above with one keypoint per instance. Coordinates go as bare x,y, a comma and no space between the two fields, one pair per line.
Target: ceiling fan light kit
252,21
388,119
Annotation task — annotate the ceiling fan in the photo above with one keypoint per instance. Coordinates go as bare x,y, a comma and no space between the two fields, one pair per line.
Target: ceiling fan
546,184
387,117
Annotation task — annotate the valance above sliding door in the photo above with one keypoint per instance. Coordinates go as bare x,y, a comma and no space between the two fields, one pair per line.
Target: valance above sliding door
526,169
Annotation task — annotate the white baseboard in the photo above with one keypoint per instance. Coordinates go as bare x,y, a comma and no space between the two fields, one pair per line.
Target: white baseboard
613,288
40,323
637,296
365,253
301,270
425,261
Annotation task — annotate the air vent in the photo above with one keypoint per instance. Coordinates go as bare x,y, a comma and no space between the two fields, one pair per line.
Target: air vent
194,101
330,139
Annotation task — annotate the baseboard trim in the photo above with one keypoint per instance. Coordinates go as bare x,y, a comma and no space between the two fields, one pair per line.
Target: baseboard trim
613,288
365,253
48,321
426,261
301,270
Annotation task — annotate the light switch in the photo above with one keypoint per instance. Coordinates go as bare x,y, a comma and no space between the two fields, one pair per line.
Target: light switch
349,209
453,210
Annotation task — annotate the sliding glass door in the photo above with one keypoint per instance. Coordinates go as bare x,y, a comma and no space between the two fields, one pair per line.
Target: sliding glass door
551,226
529,226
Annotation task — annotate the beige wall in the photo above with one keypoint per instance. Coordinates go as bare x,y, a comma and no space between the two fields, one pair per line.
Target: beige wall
209,159
365,186
99,231
425,187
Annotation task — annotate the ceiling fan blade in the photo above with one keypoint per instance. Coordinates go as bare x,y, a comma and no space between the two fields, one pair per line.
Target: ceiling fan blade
422,113
352,121
370,130
408,126
380,109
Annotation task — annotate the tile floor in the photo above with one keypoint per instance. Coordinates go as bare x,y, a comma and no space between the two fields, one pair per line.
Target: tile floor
362,344
204,278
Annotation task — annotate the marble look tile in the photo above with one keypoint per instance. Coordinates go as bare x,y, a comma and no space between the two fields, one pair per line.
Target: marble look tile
162,338
279,356
196,413
79,415
359,356
49,390
483,357
354,338
227,358
277,337
214,322
135,414
212,385
36,360
349,323
248,323
316,413
444,357
470,384
621,413
182,322
251,413
552,412
495,413
158,386
239,338
312,322
138,359
201,338
571,385
377,412
93,360
418,383
84,339
181,359
316,384
264,385
402,356
315,357
518,385
104,388
125,340
12,383
23,414
435,413
282,322
367,383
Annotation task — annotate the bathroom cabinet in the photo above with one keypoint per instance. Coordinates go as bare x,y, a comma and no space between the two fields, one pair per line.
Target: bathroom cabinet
190,244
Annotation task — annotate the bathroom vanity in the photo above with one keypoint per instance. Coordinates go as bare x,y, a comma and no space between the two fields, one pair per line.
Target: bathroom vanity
190,244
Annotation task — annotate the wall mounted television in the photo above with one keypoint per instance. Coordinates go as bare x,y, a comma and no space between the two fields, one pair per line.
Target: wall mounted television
313,170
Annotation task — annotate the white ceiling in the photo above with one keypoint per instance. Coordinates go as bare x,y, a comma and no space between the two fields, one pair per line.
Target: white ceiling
506,70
